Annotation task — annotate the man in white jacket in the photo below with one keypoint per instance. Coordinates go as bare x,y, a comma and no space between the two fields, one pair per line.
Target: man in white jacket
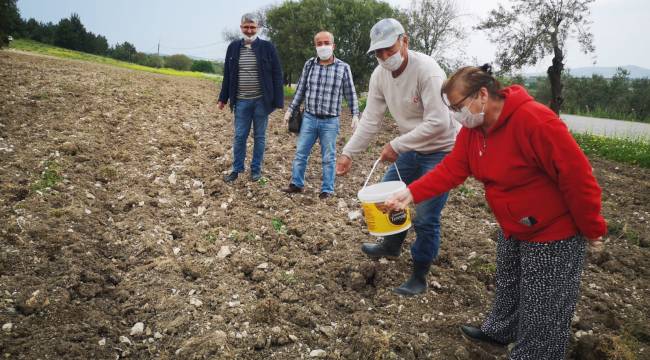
408,84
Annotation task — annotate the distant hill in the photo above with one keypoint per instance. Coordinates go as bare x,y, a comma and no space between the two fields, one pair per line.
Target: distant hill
636,72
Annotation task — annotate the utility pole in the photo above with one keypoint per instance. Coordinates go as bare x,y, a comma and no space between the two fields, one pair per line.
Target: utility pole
158,47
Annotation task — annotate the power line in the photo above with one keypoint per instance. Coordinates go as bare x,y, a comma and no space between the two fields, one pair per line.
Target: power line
191,47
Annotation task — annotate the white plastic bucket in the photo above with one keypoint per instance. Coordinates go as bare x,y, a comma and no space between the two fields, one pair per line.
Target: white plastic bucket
379,220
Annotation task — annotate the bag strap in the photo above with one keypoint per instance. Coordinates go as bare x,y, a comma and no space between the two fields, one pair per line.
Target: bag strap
312,61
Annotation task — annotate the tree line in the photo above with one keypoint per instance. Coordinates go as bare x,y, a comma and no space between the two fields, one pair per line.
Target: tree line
70,33
620,97
526,32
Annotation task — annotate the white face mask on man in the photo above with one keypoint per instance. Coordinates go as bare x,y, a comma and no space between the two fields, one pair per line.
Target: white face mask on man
324,52
394,61
469,120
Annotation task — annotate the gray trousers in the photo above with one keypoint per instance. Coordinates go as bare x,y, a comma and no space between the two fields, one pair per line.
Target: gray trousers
537,287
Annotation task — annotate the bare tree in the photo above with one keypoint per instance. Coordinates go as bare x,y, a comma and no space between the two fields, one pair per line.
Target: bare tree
230,35
532,29
435,28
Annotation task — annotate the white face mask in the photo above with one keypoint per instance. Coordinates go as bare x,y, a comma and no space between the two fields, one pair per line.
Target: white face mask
324,52
469,120
250,38
393,62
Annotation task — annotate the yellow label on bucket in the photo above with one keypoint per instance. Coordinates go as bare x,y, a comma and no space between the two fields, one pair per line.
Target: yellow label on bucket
381,221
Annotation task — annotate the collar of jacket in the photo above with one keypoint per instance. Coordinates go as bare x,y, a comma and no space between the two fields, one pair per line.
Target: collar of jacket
242,42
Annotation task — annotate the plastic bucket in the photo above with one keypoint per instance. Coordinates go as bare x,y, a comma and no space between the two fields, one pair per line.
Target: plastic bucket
380,221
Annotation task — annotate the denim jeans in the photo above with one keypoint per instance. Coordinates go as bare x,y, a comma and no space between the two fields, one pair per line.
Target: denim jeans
412,165
312,129
247,113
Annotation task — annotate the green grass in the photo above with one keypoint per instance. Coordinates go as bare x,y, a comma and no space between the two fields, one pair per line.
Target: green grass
630,151
289,91
50,176
278,226
263,181
45,49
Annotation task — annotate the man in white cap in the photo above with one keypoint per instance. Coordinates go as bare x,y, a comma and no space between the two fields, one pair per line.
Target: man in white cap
408,84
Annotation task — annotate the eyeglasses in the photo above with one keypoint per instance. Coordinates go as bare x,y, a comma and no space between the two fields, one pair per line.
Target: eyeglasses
248,27
455,107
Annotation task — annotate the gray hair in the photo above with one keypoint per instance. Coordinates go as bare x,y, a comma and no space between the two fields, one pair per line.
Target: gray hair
325,32
248,18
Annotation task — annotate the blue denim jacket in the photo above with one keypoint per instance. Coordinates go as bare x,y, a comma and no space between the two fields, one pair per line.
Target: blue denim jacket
269,70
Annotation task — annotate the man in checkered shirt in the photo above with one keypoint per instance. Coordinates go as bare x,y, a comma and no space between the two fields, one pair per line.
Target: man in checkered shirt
324,82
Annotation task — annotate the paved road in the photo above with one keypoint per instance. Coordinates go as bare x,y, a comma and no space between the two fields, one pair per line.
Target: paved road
607,127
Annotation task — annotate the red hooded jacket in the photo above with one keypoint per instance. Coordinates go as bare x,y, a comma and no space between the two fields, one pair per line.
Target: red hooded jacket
537,180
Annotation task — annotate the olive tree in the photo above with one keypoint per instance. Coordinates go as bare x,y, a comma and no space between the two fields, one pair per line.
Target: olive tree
530,30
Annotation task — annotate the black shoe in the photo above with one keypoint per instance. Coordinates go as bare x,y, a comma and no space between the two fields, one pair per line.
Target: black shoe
231,177
417,283
325,195
256,177
292,189
477,334
386,247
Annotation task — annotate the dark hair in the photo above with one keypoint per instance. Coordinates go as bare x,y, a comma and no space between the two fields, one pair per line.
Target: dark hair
470,79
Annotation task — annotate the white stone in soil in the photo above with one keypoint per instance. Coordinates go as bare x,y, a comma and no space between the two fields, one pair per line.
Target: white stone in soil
263,266
172,178
224,252
200,211
137,329
7,327
102,342
196,302
157,335
125,340
353,215
176,250
318,353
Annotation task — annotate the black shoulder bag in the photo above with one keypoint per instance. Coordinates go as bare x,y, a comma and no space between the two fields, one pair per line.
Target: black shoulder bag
295,121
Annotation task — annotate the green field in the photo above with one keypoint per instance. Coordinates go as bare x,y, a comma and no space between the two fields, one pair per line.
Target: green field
45,49
630,151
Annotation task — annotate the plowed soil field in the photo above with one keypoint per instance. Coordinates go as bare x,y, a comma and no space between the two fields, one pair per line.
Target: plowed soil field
119,239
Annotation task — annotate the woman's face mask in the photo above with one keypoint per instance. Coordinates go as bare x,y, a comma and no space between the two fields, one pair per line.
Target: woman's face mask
393,62
469,120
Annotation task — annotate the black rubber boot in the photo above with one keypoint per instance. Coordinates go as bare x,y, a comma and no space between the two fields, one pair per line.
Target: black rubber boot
386,247
474,333
417,283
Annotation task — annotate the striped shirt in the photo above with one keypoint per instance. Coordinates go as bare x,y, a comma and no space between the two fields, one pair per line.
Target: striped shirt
249,83
323,87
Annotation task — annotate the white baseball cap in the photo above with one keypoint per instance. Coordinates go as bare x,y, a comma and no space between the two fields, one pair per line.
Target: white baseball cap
384,34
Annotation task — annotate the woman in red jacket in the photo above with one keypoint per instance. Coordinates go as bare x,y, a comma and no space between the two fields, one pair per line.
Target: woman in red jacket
540,187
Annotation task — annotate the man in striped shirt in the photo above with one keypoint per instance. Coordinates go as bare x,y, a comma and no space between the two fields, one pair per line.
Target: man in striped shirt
252,82
322,85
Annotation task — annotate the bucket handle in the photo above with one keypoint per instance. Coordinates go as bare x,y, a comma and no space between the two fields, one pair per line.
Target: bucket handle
373,169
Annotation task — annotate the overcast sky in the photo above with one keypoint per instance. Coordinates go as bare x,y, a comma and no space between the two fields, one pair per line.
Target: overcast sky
196,27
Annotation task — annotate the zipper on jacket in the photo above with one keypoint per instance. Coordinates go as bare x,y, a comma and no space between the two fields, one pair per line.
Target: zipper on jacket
482,150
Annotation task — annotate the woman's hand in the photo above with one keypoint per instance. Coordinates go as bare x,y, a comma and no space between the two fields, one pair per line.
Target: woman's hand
399,201
596,245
